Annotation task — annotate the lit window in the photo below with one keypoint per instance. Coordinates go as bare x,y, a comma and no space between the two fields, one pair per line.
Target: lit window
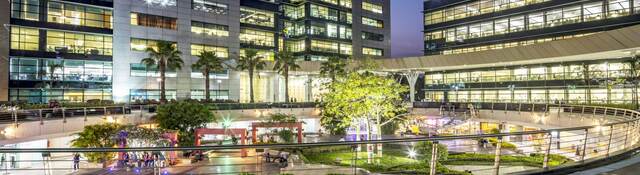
25,9
142,44
593,11
345,3
372,22
266,55
79,43
210,6
536,21
73,14
257,37
147,20
325,46
516,24
375,8
618,8
23,38
257,17
208,29
294,12
196,49
372,51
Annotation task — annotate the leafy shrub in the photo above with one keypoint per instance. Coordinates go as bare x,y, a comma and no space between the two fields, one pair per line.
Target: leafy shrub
424,150
185,117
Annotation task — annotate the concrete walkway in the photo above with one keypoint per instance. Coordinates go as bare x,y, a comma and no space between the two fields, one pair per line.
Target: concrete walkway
625,167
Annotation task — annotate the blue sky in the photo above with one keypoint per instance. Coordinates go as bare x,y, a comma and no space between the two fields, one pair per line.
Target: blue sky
406,28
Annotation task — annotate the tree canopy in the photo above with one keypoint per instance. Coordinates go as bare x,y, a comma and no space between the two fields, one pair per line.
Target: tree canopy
361,96
185,117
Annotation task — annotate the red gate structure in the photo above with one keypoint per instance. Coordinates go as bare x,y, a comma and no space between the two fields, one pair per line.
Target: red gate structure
290,125
173,138
219,131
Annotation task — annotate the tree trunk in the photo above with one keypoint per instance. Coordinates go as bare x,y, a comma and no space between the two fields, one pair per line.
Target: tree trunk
250,86
286,85
369,145
162,67
206,85
379,136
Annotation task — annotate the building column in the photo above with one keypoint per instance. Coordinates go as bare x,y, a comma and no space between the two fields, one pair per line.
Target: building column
308,88
412,78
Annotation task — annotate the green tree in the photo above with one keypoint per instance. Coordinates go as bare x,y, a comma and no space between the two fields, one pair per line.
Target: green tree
362,98
333,67
184,117
164,56
285,62
250,62
208,62
634,78
97,136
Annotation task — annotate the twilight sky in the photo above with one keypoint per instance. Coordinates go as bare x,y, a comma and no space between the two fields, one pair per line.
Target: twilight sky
406,28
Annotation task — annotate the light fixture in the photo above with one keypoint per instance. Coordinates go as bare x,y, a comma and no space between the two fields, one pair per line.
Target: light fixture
412,153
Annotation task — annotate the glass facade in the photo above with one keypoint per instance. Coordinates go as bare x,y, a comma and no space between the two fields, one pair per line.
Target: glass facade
208,29
257,17
25,9
140,19
37,69
257,37
79,43
331,47
66,13
473,8
372,36
550,83
138,44
141,70
509,44
294,12
210,6
38,95
213,94
150,94
196,49
372,51
23,38
372,22
371,7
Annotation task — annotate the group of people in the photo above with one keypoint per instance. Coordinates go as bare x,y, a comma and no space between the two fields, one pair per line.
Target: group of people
144,159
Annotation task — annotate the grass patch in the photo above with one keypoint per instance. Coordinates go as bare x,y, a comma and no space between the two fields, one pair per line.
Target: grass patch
534,160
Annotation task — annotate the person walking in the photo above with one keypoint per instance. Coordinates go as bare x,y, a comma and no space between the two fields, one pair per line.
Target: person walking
76,162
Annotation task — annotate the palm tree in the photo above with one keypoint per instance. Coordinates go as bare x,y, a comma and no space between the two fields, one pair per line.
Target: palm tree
333,67
285,62
208,62
164,56
250,62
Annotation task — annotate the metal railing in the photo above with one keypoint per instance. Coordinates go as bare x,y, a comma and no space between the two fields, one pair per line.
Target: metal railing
521,151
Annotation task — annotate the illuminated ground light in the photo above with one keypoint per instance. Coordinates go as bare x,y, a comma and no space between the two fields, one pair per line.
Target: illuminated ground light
412,153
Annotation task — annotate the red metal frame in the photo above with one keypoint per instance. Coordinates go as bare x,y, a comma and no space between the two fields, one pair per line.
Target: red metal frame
292,125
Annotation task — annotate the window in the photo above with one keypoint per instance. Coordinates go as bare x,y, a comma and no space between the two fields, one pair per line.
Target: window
636,5
71,70
197,73
346,17
372,36
293,29
25,9
296,46
325,13
554,17
571,14
516,24
536,21
257,37
345,3
208,29
332,30
372,22
501,26
23,38
486,28
79,43
266,55
150,94
294,12
372,51
142,44
375,8
344,32
142,70
335,2
346,49
433,17
461,33
65,13
325,46
618,8
196,49
214,94
210,6
257,17
593,11
147,20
